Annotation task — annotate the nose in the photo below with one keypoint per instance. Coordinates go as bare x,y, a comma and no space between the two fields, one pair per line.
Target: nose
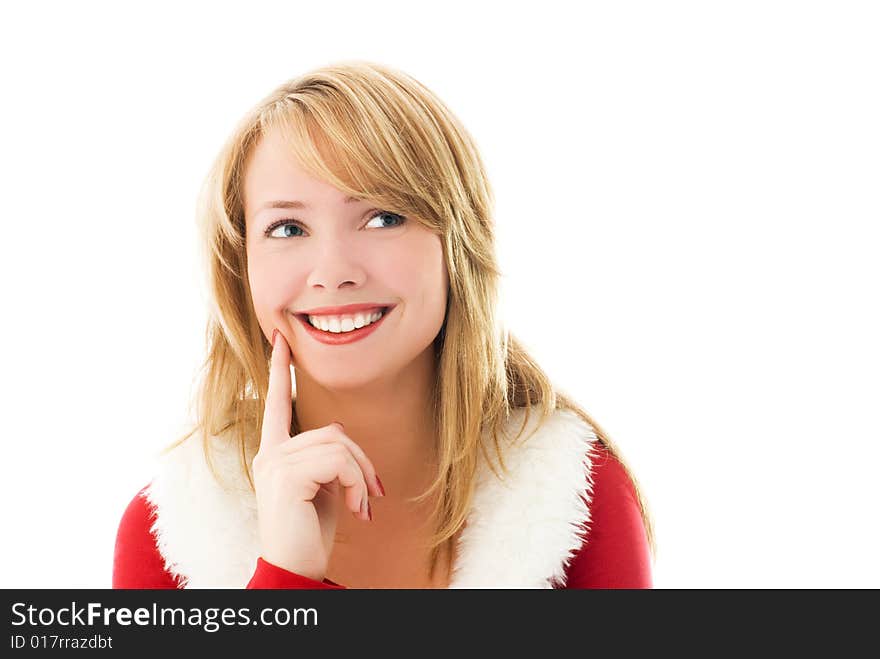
336,266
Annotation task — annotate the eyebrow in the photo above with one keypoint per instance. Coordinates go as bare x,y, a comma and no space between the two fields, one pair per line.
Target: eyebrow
293,203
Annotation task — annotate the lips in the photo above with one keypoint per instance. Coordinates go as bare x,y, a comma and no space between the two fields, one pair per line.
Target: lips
345,309
339,338
305,316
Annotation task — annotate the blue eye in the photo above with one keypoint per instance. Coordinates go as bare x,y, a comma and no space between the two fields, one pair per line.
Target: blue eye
386,213
285,224
296,225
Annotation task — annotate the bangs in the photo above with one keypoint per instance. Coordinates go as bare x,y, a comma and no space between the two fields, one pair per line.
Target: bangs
358,157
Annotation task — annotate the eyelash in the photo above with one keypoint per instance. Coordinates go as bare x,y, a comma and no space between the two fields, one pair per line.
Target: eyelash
296,223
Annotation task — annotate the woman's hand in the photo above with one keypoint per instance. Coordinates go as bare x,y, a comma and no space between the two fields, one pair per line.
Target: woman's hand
298,480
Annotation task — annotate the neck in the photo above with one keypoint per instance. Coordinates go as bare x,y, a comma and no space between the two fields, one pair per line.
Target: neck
390,419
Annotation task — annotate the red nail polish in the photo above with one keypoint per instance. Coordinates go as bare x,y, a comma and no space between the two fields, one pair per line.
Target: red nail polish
379,483
369,511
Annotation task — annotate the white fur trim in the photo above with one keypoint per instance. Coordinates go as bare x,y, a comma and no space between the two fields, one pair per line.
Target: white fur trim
521,532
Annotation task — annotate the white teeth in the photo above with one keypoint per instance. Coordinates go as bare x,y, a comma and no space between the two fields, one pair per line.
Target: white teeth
342,324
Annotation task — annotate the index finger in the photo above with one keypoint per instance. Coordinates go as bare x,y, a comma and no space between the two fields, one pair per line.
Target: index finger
279,398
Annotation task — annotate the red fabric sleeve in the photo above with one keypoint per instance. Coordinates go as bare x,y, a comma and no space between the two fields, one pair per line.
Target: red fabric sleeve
137,562
269,575
615,553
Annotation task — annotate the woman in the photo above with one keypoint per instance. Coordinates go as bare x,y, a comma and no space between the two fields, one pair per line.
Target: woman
349,232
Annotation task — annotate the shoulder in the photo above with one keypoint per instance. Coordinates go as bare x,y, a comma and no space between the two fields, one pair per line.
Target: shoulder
611,483
613,499
137,517
137,562
615,552
200,492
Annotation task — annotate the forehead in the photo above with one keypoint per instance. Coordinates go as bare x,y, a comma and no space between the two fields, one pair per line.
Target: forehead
272,173
273,177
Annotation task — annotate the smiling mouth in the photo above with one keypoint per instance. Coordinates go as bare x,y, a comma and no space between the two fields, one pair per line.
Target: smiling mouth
304,319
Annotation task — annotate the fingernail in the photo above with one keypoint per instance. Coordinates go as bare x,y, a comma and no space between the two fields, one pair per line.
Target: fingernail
365,507
379,483
274,334
369,511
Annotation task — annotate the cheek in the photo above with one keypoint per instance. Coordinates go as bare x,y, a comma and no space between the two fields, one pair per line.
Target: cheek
420,273
259,284
274,286
402,270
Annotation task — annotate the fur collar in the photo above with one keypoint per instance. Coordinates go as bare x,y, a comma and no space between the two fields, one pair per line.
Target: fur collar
520,533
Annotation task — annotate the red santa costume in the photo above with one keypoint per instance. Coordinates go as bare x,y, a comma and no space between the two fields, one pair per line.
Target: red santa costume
565,516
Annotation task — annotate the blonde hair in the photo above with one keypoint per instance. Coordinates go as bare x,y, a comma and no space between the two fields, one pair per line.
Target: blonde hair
377,133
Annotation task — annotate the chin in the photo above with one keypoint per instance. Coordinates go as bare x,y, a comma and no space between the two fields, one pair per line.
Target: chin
343,378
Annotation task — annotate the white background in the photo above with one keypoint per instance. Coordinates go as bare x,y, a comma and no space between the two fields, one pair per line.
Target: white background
688,217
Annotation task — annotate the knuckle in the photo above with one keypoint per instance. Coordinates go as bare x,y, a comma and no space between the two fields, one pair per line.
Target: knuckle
340,462
337,455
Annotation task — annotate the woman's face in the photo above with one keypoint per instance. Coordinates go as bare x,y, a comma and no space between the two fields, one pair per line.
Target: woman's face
330,252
